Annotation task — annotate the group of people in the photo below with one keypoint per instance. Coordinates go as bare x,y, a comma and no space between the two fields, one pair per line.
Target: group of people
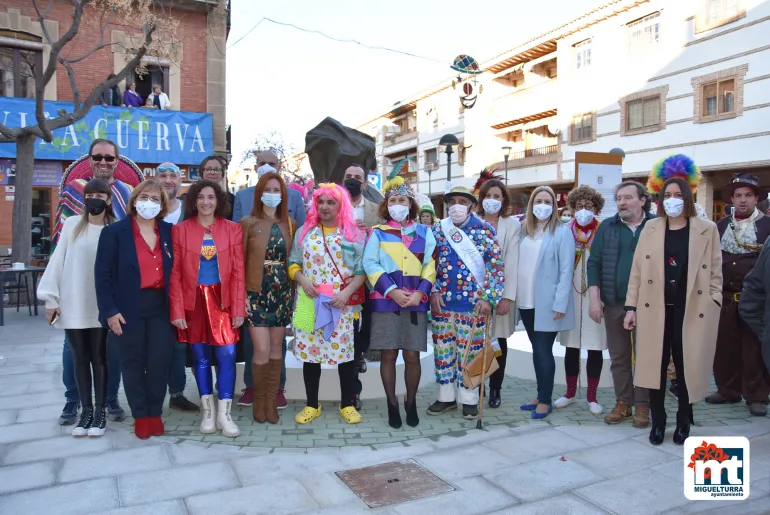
131,99
145,282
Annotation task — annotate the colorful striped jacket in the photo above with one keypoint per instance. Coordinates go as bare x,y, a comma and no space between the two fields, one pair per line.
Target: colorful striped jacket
71,203
390,264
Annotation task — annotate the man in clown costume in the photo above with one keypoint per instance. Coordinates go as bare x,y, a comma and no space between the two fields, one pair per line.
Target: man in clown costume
469,284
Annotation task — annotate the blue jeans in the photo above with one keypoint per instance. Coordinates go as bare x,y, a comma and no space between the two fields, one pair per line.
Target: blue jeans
113,371
178,377
248,354
542,356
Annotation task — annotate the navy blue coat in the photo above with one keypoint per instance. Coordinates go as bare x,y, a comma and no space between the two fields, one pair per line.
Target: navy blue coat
118,280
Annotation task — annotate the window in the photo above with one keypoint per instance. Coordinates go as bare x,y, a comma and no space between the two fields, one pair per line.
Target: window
714,13
582,128
583,54
431,155
20,67
643,111
644,33
719,95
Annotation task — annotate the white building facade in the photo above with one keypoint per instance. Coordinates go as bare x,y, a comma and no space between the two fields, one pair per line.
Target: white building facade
651,77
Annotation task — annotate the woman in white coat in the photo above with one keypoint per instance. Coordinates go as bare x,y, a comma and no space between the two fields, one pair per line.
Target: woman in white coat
495,208
585,203
544,289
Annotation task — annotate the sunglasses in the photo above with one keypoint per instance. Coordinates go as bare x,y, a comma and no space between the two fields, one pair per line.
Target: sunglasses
169,168
98,158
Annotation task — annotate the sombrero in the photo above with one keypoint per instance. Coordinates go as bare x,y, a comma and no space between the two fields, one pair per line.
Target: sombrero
126,171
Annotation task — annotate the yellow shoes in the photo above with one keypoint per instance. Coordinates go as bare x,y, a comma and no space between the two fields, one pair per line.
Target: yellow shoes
308,414
350,415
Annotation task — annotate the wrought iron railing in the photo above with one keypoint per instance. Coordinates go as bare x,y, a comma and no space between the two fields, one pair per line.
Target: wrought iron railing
532,152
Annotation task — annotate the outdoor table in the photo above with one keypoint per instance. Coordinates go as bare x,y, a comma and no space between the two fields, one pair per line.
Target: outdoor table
5,272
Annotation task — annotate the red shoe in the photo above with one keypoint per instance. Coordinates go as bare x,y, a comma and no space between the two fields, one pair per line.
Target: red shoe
280,400
156,426
247,397
142,428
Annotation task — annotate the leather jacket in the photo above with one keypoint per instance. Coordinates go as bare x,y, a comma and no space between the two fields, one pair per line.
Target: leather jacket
256,233
188,238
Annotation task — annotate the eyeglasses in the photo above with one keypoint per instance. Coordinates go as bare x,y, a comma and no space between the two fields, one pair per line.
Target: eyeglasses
145,198
168,168
98,158
212,170
587,205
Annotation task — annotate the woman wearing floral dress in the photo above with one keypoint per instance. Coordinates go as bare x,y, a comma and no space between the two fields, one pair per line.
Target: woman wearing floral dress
326,262
267,238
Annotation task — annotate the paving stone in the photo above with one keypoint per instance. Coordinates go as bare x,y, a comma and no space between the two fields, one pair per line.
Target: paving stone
30,399
263,469
473,495
616,495
127,461
563,504
175,507
40,414
8,417
120,438
31,431
261,499
59,447
615,460
329,490
175,483
530,446
463,461
543,478
602,435
65,499
758,495
24,477
15,370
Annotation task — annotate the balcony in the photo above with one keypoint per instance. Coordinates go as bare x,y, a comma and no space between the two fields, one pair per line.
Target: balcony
400,141
534,152
526,104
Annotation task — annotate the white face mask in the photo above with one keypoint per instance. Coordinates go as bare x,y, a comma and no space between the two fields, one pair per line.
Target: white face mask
458,213
584,217
542,211
398,212
262,170
491,206
673,206
147,209
271,199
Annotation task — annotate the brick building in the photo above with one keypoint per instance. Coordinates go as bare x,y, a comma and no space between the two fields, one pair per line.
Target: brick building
193,76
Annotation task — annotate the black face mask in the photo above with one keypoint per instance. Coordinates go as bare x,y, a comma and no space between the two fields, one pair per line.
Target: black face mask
353,186
96,206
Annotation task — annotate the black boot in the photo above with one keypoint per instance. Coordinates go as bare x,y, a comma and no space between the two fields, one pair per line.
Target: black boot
657,435
494,398
394,417
682,431
412,419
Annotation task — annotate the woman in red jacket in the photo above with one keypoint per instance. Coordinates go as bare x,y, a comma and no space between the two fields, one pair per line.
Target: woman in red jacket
207,294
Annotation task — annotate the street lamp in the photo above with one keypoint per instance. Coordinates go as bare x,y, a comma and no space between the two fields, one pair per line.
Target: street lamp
429,169
619,151
506,155
448,143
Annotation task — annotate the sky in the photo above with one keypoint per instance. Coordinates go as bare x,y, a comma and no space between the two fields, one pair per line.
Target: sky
280,79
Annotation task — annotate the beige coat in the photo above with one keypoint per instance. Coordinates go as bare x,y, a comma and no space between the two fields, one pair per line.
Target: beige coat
508,235
701,316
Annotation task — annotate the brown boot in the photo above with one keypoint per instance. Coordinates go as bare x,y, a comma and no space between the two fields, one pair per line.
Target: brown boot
618,414
273,380
641,417
259,372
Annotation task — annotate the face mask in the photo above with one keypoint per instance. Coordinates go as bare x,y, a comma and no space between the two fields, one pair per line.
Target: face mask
353,187
542,211
147,209
398,212
458,213
262,170
491,206
565,219
95,206
271,199
584,217
673,206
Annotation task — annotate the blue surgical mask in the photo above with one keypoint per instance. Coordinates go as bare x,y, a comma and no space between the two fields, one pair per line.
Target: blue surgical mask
271,199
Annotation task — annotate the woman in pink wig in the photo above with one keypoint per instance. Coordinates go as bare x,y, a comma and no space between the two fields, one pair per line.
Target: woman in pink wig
326,262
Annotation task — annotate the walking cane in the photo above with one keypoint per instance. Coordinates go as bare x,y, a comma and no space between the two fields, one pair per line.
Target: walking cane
483,373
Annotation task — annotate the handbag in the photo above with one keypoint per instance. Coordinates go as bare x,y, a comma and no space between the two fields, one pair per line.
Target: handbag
359,296
479,368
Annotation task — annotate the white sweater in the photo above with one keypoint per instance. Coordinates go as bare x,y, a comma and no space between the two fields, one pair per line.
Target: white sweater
68,281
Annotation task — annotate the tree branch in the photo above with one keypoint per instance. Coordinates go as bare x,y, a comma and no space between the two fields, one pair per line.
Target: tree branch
41,17
73,83
88,54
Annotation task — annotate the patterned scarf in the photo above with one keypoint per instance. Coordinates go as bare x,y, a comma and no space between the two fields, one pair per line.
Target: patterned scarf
583,237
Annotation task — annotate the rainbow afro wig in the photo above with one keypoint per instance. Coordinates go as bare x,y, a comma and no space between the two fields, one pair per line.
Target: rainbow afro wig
678,165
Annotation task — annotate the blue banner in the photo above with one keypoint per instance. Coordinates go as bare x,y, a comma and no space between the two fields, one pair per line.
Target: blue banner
144,135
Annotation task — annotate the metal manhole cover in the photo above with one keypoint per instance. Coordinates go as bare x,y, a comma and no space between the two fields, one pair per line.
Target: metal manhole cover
393,482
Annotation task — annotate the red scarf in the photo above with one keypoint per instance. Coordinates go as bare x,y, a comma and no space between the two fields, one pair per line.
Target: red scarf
583,237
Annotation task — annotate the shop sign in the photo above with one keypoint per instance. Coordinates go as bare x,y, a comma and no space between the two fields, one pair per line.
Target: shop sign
44,173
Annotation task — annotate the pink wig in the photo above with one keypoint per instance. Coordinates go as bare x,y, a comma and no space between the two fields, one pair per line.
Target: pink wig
346,222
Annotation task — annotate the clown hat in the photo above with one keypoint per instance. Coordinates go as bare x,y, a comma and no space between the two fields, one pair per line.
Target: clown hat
677,165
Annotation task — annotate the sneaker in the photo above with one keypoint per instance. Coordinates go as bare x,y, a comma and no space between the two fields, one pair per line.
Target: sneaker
247,397
69,414
438,407
280,399
85,422
470,411
563,402
674,389
114,411
595,408
618,414
180,403
99,425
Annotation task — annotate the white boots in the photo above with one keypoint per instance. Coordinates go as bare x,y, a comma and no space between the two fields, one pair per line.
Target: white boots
208,426
225,421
